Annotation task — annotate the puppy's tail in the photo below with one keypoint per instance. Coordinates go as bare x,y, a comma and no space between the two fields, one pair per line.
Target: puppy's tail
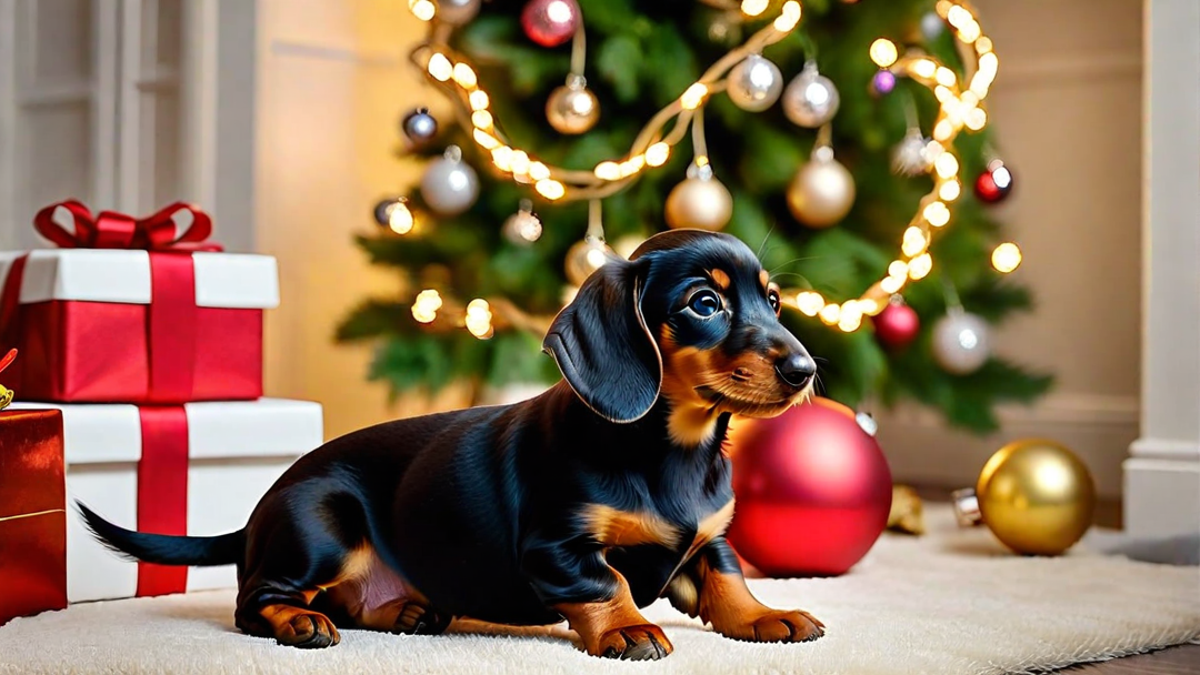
224,549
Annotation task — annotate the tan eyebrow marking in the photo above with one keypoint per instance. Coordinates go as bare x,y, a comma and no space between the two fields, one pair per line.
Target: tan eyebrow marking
720,278
764,277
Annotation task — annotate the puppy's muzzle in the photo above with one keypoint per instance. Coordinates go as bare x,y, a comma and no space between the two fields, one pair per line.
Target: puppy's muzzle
796,369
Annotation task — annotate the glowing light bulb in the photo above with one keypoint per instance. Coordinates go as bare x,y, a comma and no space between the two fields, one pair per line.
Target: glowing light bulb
520,162
607,171
883,52
946,165
754,7
657,154
919,267
426,305
898,268
914,242
482,119
831,313
479,99
439,67
502,158
946,77
400,218
422,9
1006,257
538,171
937,214
809,302
892,284
693,96
550,189
851,316
950,190
924,68
464,76
789,16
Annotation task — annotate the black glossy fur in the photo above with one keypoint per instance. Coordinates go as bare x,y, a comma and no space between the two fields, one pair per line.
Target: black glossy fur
479,509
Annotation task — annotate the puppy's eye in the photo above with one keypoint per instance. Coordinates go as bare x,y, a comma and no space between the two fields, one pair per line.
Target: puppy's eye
773,298
705,303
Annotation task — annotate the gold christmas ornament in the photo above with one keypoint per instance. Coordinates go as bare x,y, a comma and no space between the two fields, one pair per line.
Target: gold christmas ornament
572,108
822,192
700,201
905,514
586,257
1035,495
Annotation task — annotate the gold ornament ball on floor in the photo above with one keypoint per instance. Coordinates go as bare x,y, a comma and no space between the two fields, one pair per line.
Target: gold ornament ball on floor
822,192
702,203
572,108
1035,495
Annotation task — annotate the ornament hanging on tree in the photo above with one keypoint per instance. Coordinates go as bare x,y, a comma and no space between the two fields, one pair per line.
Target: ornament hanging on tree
457,12
419,127
994,184
910,157
932,26
961,342
883,83
572,108
584,258
813,470
822,192
550,23
523,227
449,186
897,325
1035,495
700,201
394,214
754,84
811,100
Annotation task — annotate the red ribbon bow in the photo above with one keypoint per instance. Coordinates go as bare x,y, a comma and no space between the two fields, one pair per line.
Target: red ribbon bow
180,227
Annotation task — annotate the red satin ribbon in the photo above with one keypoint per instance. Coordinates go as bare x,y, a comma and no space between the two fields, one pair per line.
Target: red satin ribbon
179,226
10,302
162,492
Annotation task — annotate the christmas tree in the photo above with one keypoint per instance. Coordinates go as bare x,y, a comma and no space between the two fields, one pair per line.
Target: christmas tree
845,141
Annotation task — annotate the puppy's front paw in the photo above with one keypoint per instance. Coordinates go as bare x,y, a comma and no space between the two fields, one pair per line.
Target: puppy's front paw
634,643
776,626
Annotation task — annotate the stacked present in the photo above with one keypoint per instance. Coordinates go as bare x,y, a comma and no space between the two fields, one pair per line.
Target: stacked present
139,371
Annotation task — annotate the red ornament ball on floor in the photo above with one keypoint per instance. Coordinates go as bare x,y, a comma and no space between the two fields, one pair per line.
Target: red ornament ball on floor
896,326
550,23
813,491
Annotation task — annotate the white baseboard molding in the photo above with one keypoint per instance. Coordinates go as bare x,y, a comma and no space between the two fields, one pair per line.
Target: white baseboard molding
1162,497
1100,429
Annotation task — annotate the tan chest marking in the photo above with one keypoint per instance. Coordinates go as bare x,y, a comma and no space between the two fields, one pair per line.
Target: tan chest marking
614,527
711,527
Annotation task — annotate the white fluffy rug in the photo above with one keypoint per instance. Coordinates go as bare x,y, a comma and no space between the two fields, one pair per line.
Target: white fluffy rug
949,602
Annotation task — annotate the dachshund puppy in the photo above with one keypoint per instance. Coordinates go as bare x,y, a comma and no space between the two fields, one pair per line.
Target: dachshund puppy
588,502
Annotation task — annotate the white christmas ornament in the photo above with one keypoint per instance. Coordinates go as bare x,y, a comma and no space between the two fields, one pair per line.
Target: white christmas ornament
810,99
754,84
450,186
523,227
961,342
910,157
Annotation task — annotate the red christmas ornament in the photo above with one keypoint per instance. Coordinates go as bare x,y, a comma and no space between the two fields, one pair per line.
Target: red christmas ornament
994,184
897,325
813,491
550,23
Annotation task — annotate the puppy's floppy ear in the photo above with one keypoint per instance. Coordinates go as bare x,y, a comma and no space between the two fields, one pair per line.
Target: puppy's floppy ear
603,346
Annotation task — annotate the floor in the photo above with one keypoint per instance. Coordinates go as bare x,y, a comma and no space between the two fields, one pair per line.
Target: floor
1182,660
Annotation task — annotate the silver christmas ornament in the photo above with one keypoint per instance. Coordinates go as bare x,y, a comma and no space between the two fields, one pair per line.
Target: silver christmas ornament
810,99
961,342
523,227
449,186
932,25
754,84
419,126
910,157
457,12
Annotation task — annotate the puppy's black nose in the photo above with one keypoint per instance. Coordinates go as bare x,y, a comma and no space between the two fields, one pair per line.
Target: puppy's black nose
796,369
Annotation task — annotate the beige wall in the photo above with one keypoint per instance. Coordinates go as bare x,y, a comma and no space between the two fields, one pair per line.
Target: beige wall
1066,108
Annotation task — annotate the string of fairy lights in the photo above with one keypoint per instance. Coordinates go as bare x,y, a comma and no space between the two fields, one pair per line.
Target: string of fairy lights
960,105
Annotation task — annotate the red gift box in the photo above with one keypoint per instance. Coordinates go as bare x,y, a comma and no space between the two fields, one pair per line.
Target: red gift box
33,522
139,311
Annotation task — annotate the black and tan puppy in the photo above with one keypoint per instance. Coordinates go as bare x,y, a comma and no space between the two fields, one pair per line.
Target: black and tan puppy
587,502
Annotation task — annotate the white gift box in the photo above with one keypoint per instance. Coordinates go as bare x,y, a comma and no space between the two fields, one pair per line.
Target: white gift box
236,451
